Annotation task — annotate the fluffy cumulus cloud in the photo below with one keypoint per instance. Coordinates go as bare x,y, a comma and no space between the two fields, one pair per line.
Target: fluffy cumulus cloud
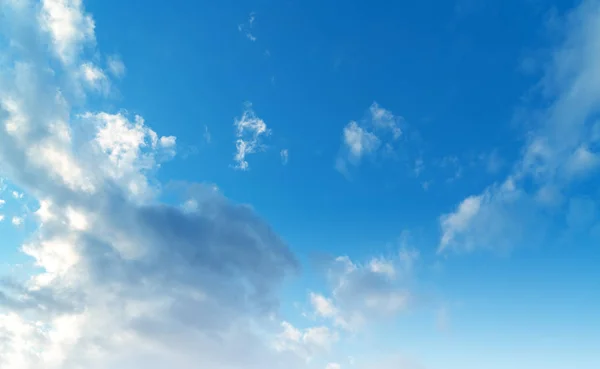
359,293
119,279
376,134
561,152
250,130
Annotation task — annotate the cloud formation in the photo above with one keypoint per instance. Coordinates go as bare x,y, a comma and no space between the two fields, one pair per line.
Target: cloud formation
376,134
560,152
121,280
360,293
250,130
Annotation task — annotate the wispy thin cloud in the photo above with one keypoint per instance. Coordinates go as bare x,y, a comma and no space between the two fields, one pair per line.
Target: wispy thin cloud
250,130
246,28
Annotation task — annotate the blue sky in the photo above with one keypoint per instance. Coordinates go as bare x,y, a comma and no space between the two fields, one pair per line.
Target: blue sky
299,184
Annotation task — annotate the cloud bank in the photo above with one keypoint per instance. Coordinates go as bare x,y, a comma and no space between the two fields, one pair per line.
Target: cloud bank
120,280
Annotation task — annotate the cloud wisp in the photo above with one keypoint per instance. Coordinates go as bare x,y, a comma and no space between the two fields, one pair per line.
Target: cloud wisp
250,130
560,152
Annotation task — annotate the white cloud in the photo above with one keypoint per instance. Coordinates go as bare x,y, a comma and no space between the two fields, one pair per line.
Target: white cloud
560,149
69,26
1,217
360,293
94,77
500,218
249,132
2,202
16,195
384,120
460,220
374,135
125,281
305,343
323,306
333,366
359,142
285,156
17,221
115,66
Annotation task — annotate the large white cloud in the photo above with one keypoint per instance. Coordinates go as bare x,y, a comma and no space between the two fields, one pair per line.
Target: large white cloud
120,280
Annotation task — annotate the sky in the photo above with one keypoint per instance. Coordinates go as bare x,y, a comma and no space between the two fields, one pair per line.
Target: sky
299,184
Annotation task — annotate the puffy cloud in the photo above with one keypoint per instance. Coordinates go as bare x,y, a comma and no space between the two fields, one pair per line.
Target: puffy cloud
17,221
305,343
561,149
375,134
123,280
69,26
249,132
359,141
384,120
362,292
94,77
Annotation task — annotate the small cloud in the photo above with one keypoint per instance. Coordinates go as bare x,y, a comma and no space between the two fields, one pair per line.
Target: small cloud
168,142
207,136
333,366
384,119
366,291
376,134
249,132
246,28
17,221
305,343
459,221
1,217
284,156
115,66
17,195
94,77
